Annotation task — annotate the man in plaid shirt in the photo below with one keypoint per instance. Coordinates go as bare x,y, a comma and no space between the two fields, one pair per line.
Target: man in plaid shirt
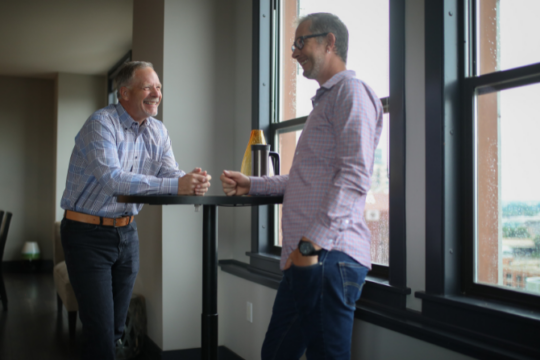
120,150
326,242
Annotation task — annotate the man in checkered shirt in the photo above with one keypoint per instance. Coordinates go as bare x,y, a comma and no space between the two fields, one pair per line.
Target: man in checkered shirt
326,242
120,150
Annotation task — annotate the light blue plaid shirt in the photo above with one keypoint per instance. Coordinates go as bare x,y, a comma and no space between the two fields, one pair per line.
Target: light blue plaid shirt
113,156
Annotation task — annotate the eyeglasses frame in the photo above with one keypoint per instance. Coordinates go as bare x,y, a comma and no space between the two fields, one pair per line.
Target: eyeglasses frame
295,45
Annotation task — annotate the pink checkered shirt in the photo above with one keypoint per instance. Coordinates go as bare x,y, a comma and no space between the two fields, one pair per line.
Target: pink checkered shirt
325,192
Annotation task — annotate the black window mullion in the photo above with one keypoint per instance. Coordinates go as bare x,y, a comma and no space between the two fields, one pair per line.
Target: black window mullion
397,221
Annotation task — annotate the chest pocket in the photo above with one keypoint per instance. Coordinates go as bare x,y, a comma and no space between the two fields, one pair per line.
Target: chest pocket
150,167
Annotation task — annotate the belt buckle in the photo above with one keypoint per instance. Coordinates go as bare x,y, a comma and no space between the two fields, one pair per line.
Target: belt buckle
114,222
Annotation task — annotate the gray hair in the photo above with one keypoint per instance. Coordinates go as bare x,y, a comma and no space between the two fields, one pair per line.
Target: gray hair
124,76
330,23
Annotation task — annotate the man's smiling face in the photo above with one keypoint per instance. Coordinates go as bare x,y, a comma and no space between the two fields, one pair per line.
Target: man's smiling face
142,97
312,56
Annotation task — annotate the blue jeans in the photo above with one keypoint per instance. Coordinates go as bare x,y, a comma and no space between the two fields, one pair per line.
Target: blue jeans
102,263
314,310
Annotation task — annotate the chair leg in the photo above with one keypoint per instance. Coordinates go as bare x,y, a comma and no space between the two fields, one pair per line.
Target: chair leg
72,321
58,304
3,293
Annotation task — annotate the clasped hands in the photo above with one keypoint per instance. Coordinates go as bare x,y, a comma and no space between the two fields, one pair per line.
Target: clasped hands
196,182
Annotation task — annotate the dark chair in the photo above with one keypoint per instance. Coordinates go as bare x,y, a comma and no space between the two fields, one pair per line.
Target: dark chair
5,220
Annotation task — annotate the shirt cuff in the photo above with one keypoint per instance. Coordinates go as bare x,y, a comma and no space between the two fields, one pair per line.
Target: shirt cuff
169,186
258,185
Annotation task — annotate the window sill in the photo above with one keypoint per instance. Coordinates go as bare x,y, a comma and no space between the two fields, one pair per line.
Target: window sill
463,340
264,270
493,322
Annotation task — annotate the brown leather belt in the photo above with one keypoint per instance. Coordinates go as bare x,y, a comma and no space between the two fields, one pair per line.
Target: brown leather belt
98,220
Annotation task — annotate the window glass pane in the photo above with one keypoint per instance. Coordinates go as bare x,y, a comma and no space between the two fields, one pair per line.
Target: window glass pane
507,34
368,24
377,202
507,248
287,141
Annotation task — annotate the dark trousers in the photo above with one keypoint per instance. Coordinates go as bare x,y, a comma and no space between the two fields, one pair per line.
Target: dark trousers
102,263
314,310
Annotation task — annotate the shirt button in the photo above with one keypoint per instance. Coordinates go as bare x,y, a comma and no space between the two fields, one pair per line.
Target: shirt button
298,152
346,221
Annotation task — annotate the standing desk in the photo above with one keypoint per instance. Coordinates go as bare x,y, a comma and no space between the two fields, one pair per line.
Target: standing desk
209,317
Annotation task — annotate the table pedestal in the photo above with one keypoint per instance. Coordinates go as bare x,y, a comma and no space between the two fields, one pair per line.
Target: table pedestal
209,317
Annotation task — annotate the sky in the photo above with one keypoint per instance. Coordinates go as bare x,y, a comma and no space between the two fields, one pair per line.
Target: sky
519,119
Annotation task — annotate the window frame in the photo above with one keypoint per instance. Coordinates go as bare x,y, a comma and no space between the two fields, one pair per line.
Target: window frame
477,326
472,86
386,284
492,317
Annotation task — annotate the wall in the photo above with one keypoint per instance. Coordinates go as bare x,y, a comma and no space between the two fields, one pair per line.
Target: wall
147,45
77,97
197,110
198,114
27,165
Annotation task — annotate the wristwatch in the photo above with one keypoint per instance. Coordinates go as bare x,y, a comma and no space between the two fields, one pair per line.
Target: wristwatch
306,248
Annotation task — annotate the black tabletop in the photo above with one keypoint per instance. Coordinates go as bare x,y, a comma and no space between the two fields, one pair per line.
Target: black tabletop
200,200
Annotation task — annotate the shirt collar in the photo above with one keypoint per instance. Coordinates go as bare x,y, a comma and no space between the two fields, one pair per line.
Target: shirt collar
126,120
342,75
346,74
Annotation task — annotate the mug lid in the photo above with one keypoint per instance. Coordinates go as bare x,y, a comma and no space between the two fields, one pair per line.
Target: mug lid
260,147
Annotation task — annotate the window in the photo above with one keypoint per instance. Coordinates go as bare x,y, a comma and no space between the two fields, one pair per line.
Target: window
472,229
281,101
368,25
501,79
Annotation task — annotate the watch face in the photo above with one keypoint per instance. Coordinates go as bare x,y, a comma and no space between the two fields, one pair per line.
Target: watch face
305,248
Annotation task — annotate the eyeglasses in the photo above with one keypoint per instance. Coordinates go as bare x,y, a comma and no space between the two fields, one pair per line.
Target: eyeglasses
300,42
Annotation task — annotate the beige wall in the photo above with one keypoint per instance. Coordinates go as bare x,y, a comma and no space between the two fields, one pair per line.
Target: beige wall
77,97
27,165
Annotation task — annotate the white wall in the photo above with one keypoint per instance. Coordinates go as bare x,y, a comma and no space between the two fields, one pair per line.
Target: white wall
27,165
188,43
77,97
147,45
198,112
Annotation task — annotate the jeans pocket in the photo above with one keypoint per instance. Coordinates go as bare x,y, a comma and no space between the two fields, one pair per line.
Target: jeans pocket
353,277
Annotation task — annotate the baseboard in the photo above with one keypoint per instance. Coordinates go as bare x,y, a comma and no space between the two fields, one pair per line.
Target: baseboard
26,266
153,352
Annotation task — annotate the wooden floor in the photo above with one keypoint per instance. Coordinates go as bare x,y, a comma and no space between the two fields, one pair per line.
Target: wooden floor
32,329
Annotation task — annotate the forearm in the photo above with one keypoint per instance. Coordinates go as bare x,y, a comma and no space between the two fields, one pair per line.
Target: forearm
268,185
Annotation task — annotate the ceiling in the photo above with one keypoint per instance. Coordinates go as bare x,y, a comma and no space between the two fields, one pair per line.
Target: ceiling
40,38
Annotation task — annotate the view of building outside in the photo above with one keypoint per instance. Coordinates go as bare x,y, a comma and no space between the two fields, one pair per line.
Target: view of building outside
368,25
507,147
